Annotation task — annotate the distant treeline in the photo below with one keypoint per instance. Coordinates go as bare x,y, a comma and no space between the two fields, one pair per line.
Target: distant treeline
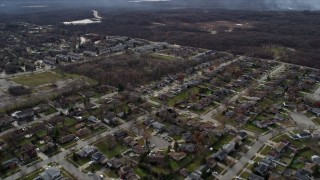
296,30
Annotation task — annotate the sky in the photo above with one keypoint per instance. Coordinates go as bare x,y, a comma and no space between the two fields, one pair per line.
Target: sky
21,6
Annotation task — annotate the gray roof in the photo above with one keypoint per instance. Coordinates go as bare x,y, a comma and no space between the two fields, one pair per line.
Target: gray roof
51,173
158,125
316,159
229,147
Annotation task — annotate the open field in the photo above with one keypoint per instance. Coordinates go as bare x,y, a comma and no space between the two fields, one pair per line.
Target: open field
35,80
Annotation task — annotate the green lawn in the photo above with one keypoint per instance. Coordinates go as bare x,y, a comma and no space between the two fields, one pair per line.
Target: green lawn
76,76
307,153
194,165
94,167
111,174
245,175
141,172
253,128
316,121
66,174
103,147
51,110
80,162
159,170
183,95
218,169
32,175
176,165
42,133
69,121
35,80
266,150
225,139
257,159
298,143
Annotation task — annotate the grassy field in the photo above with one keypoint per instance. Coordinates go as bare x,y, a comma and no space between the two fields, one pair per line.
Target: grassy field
75,76
34,80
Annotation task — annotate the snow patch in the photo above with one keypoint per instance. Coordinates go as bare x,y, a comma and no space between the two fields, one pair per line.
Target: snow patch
96,19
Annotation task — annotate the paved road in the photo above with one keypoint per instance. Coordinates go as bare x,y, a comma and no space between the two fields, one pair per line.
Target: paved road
60,158
240,164
209,116
315,95
159,142
301,119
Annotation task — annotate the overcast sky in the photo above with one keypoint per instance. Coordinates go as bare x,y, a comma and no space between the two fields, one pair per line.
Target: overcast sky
29,5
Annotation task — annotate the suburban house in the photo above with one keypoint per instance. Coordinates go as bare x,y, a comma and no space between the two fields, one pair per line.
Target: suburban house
51,173
304,135
66,138
82,132
315,159
93,119
158,126
11,163
316,111
120,134
96,156
86,151
229,147
28,152
211,162
220,155
114,163
156,159
264,123
242,135
129,141
189,148
50,61
126,172
178,156
24,114
302,174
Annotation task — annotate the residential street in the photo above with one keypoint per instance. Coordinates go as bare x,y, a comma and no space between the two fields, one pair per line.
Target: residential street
240,164
60,158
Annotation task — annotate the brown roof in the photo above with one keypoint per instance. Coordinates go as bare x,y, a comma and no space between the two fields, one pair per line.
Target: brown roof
83,132
66,138
156,159
79,126
184,172
178,156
